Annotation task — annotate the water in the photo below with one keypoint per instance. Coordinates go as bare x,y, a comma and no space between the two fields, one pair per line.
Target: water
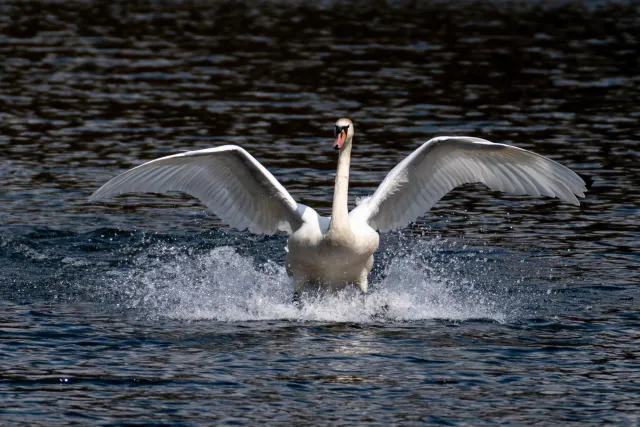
145,309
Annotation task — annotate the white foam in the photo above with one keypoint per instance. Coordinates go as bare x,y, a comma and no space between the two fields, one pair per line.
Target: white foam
169,282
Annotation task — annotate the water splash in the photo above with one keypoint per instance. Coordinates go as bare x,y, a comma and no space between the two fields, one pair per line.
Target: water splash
427,281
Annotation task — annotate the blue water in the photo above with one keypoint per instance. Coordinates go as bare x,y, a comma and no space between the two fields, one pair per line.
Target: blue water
145,309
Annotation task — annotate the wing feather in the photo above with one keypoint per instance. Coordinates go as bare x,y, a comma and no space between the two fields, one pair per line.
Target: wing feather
227,179
417,183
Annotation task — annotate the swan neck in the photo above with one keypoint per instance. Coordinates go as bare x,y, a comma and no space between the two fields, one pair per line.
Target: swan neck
340,210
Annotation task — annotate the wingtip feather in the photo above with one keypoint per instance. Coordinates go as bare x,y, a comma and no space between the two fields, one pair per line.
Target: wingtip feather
95,196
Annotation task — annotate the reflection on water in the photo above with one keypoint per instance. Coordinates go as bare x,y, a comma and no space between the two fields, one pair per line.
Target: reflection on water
501,308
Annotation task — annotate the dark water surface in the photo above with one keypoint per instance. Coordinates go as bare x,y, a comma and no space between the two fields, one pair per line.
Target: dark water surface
145,309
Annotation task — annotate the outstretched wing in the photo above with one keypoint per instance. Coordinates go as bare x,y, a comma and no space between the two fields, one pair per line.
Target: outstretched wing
233,185
443,163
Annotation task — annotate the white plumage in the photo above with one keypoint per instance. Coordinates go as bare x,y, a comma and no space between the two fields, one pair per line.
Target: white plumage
441,164
233,185
338,250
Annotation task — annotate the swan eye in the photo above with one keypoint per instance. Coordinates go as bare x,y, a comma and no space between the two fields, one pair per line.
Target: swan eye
342,128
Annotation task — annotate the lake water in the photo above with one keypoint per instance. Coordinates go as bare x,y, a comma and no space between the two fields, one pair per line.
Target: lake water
145,309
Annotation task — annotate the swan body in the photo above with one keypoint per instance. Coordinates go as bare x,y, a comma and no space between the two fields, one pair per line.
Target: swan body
338,250
315,254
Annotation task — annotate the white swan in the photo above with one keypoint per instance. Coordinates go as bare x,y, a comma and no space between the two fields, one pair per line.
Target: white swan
338,250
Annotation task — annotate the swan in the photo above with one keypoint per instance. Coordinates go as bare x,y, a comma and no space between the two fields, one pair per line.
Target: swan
338,250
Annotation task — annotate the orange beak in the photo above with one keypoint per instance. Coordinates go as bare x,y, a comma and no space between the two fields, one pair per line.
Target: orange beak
339,142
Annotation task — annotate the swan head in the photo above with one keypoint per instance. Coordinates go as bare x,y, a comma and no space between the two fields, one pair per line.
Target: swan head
343,133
